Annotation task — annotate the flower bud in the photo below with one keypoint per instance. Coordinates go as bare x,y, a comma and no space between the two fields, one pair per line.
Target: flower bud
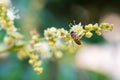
88,34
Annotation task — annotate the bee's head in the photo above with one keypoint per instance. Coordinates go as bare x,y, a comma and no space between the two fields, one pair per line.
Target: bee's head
72,32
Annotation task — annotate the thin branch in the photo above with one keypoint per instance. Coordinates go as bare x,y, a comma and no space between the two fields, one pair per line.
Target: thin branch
5,50
13,48
16,48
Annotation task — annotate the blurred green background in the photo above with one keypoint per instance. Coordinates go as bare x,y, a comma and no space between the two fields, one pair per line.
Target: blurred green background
41,14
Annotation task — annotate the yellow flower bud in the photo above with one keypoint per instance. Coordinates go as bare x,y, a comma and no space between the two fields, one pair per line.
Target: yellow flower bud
3,22
95,27
106,30
21,54
38,70
31,61
37,64
2,14
98,32
51,43
89,27
35,57
58,54
4,9
106,26
10,23
111,27
88,34
9,41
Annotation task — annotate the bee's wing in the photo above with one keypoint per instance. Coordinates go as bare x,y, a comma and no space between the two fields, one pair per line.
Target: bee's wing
77,41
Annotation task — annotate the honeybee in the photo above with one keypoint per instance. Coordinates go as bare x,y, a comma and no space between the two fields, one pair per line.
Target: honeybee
75,37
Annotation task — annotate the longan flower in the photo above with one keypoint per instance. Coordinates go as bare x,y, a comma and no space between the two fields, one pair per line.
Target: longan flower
89,27
77,28
12,14
95,26
106,26
38,70
11,30
62,33
22,54
88,34
43,49
35,62
58,54
78,31
50,33
34,56
98,31
7,15
9,41
31,61
34,34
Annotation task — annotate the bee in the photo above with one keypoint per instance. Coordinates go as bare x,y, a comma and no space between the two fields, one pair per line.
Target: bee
75,37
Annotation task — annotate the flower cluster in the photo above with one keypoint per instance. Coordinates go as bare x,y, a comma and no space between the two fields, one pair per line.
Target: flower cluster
87,29
30,50
106,27
13,37
52,45
35,62
53,34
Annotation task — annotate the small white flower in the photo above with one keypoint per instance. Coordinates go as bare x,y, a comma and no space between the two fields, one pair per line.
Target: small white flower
77,28
50,33
11,13
43,49
11,30
62,33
